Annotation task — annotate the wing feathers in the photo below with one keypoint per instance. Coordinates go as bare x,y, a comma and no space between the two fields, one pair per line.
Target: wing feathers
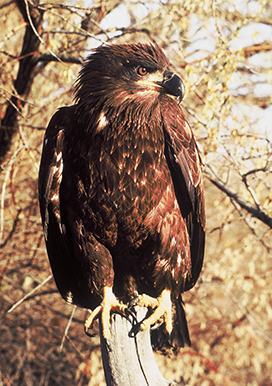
185,166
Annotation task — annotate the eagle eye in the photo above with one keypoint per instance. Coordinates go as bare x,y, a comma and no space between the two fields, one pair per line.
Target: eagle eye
142,71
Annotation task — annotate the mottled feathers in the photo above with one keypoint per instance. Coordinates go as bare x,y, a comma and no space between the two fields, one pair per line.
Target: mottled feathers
120,185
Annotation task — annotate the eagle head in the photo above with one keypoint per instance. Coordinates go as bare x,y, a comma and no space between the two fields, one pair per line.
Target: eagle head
118,75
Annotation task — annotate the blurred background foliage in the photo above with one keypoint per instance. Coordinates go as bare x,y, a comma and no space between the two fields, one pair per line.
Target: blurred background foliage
223,51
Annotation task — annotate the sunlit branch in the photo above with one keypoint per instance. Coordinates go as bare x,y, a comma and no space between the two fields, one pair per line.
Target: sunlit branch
15,305
256,212
252,229
63,58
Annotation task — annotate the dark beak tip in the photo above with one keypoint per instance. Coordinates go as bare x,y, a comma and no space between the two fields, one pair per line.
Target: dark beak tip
173,85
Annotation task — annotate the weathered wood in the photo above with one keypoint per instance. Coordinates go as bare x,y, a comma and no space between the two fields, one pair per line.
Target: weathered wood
129,360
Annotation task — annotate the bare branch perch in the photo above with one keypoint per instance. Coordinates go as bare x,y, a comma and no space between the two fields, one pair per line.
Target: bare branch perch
129,361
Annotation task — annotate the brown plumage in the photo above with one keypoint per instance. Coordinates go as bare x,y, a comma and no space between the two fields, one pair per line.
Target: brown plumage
120,190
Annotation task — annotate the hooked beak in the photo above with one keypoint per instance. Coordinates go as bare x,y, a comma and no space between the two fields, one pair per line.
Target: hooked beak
173,85
170,84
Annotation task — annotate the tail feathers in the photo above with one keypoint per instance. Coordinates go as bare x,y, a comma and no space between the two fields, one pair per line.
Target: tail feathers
179,336
180,325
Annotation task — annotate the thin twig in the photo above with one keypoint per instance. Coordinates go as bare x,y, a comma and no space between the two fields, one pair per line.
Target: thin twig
4,186
26,145
254,324
242,214
67,327
244,204
15,305
12,32
248,187
36,32
81,30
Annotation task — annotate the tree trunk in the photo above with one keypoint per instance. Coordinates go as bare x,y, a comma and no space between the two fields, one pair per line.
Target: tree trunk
24,79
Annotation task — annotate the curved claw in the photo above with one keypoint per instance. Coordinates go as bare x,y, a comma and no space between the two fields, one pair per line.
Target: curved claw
133,302
161,307
134,331
108,304
90,320
131,313
87,332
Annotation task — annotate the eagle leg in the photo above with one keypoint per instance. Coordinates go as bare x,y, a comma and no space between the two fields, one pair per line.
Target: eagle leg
162,308
108,304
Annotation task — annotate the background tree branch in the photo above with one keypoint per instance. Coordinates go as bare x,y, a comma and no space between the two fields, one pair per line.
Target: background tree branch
24,79
255,211
46,58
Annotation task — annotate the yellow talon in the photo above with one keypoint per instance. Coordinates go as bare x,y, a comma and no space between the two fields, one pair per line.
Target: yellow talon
108,304
162,306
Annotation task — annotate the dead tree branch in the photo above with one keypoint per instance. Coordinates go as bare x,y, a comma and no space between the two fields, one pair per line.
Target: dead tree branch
255,211
25,73
129,360
46,58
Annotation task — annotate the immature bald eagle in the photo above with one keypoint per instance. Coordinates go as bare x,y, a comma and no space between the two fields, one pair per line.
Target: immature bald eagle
120,190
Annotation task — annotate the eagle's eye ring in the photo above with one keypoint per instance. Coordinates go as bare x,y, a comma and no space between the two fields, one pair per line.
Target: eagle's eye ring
142,71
